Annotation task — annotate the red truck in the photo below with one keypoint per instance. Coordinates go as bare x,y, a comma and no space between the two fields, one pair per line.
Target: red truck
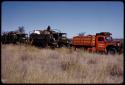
101,42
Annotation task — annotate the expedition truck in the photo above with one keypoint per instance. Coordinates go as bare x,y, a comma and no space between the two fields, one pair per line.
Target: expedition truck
101,42
14,37
49,37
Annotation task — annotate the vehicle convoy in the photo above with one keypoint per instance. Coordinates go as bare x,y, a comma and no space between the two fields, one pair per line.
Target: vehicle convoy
49,38
14,37
101,42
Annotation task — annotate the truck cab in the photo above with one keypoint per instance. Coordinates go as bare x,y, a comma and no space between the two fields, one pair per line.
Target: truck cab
105,43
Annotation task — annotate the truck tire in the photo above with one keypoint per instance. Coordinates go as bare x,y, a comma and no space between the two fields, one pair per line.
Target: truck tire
112,51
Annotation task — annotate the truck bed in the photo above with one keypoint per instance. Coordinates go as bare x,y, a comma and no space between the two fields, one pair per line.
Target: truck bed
84,40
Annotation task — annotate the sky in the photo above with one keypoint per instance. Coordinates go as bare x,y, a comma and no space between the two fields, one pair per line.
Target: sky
71,17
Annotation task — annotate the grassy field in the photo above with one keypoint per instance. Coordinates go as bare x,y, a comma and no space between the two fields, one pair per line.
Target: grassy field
26,64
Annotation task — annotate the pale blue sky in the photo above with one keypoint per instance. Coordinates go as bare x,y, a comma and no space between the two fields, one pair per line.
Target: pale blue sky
71,17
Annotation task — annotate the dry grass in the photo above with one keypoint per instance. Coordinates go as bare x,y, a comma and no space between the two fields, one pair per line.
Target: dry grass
26,64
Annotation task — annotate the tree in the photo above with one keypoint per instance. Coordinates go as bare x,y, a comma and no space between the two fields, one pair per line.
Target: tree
82,34
21,29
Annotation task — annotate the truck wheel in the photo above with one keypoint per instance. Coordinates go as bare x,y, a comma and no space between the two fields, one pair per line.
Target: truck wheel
112,51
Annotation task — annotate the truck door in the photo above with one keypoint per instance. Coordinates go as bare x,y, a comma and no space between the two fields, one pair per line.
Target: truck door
100,43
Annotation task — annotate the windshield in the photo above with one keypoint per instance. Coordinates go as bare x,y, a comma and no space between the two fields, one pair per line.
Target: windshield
108,39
